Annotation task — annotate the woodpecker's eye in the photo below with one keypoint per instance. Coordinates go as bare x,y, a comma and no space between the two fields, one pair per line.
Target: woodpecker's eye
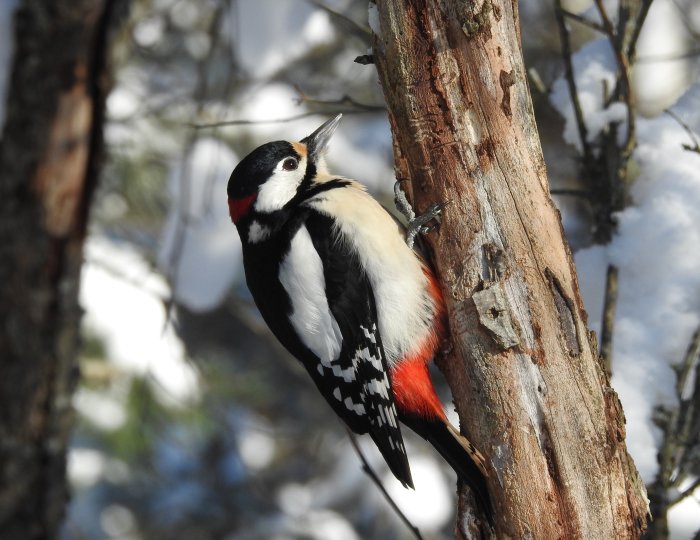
290,164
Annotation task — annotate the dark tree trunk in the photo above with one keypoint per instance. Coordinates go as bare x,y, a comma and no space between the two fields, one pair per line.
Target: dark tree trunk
524,371
49,160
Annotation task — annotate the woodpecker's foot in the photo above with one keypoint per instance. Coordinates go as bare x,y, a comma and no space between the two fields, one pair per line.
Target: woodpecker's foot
416,224
419,224
401,202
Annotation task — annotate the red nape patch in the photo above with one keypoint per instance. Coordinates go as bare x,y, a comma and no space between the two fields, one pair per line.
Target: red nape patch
414,392
238,208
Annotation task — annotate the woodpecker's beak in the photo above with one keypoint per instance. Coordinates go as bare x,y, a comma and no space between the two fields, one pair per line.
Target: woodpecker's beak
316,142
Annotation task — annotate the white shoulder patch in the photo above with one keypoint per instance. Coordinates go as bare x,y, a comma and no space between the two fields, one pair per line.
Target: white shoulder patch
301,275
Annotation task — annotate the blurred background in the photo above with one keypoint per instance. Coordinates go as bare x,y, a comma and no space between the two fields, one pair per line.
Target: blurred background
192,421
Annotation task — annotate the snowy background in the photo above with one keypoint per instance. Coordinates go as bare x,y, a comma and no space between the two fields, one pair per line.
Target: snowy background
193,422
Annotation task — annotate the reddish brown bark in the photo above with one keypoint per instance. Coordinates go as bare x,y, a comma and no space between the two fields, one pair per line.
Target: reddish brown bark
524,370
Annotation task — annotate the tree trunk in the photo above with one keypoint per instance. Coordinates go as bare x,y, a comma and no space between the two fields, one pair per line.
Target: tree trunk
524,369
48,169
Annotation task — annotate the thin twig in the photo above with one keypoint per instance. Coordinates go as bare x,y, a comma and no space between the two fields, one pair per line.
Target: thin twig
688,130
638,24
275,120
623,64
606,334
583,20
668,57
136,281
184,177
373,476
343,101
684,368
571,192
571,80
356,28
536,81
687,426
685,493
676,451
686,20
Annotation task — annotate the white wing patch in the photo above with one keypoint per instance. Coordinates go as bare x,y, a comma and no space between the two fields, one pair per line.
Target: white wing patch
301,275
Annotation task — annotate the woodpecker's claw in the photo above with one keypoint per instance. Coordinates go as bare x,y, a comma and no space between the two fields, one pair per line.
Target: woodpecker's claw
416,224
401,202
419,224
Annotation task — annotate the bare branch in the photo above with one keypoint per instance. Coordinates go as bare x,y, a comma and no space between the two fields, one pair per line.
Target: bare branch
685,367
183,180
685,493
680,428
696,144
286,120
686,428
136,281
624,84
364,59
343,101
606,335
639,23
356,28
583,20
566,54
669,57
571,192
373,476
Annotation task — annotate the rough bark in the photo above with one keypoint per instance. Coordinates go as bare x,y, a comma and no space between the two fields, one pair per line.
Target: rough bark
524,369
49,154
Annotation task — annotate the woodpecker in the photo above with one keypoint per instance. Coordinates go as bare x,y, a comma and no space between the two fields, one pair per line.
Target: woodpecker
335,280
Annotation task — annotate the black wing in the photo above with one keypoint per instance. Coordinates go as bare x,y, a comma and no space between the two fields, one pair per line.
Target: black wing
351,301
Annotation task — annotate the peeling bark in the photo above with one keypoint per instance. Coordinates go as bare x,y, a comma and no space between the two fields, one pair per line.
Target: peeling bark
524,370
49,158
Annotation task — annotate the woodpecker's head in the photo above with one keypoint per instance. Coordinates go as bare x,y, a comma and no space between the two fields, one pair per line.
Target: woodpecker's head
273,174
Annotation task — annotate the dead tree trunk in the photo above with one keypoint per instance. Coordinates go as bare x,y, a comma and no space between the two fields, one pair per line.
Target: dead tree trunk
49,151
528,385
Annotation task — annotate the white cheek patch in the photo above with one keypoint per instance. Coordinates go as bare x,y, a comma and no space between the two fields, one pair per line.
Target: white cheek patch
280,188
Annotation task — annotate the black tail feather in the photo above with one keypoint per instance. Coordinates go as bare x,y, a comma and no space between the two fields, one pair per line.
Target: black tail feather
446,441
395,458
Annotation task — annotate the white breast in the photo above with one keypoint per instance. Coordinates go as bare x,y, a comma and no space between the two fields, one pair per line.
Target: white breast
301,274
404,307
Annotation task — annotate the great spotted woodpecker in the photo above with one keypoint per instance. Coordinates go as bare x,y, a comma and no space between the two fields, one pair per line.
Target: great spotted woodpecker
333,277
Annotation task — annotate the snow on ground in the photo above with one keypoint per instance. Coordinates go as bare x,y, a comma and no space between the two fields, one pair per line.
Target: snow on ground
200,249
656,251
595,68
123,300
658,78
